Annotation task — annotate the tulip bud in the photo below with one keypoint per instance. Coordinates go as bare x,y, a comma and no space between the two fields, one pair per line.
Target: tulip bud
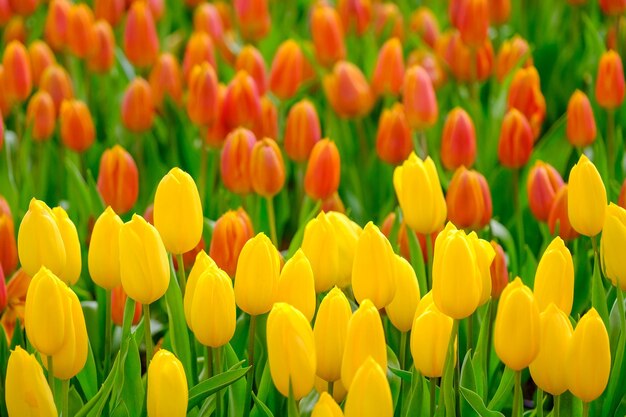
235,160
356,15
253,18
389,71
18,79
202,98
430,336
57,82
458,141
347,234
118,305
288,70
73,262
144,267
109,10
251,61
290,351
8,255
612,7
269,118
302,130
167,386
464,64
256,280
138,106
525,95
202,264
77,129
103,57
388,20
40,116
347,90
267,169
369,394
199,50
326,407
419,193
516,140
319,244
80,30
581,124
589,358
230,232
543,183
323,170
166,80
6,101
118,179
365,338
613,235
517,331
39,240
401,310
424,22
511,52
327,34
296,285
141,43
26,390
242,103
609,81
206,18
554,279
15,30
418,97
587,198
499,271
55,29
499,11
549,369
559,216
333,203
471,18
41,57
331,327
104,250
469,200
393,139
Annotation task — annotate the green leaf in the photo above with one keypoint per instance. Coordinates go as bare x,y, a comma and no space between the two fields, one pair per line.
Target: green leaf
598,295
417,261
419,400
504,236
404,375
263,411
214,384
88,376
99,400
500,398
477,404
129,390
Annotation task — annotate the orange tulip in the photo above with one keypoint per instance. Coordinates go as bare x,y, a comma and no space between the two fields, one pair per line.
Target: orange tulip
323,171
217,131
56,81
609,81
15,30
5,12
8,254
202,97
403,238
242,104
235,160
424,22
18,78
6,102
24,7
387,20
509,56
138,106
389,70
621,200
41,57
525,95
471,18
469,200
103,57
356,15
141,43
225,9
431,63
327,34
199,50
347,90
499,11
254,18
454,52
166,79
77,130
333,203
269,118
543,183
206,18
516,140
118,179
302,130
55,29
559,216
40,116
613,7
393,139
581,124
251,61
419,99
498,271
118,303
267,169
458,141
80,30
231,231
109,10
288,70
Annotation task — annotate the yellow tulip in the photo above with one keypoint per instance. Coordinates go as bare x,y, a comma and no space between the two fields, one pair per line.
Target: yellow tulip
517,332
319,244
290,350
419,193
430,337
612,245
39,241
401,310
296,285
331,328
347,234
339,392
548,370
144,266
485,253
554,279
586,198
167,386
178,212
213,312
326,407
73,261
365,338
256,280
369,395
104,250
589,358
457,280
373,269
201,265
26,391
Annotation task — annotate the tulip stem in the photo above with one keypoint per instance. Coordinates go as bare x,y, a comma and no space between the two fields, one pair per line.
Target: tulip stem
585,409
182,277
429,267
556,409
610,143
539,405
272,220
107,332
250,379
433,389
65,397
447,381
204,156
209,362
402,355
147,333
519,219
331,388
51,375
517,394
217,369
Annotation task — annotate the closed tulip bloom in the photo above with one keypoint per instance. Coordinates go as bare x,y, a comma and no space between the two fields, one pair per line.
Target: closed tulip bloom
453,51
333,203
554,279
118,179
242,104
167,386
525,95
8,255
516,140
369,395
581,124
138,106
559,216
621,199
288,70
419,193
458,141
251,61
206,18
393,139
612,7
347,90
347,234
424,22
77,129
356,15
326,407
469,200
327,34
323,170
609,81
613,236
471,18
253,18
269,118
41,57
419,99
255,293
230,232
511,52
235,161
517,331
549,369
302,130
586,200
26,390
498,271
40,116
201,265
5,12
17,76
109,10
199,50
104,250
55,28
103,57
166,80
73,262
178,212
543,183
57,82
144,267
15,30
430,337
6,102
387,20
389,70
499,11
401,310
80,30
39,240
267,169
589,358
365,338
296,285
141,42
319,244
331,328
118,304
202,97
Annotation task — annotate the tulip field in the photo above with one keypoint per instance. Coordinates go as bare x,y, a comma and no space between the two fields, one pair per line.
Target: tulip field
315,208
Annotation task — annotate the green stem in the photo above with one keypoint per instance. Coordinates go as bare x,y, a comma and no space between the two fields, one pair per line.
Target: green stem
429,267
539,405
493,307
204,156
433,390
217,368
519,218
65,397
331,388
402,356
209,362
517,394
556,410
51,376
147,333
182,277
250,379
585,409
272,220
423,142
610,142
108,323
449,374
404,387
470,332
